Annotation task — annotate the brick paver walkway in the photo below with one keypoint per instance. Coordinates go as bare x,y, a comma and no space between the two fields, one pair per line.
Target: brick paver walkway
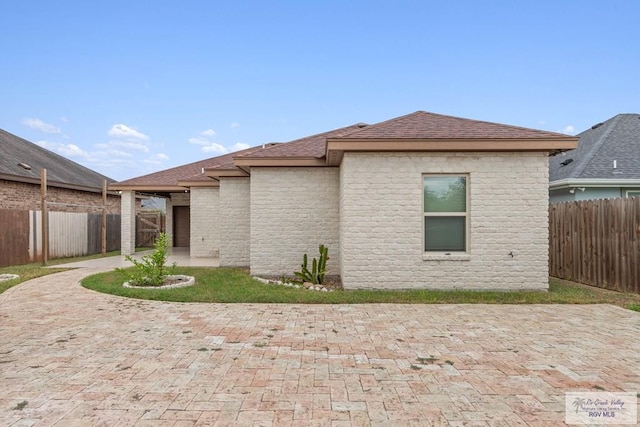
77,357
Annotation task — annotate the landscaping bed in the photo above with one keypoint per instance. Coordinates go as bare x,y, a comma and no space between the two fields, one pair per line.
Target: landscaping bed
226,285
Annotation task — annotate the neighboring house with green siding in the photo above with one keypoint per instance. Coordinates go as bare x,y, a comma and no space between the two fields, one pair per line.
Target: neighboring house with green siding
605,165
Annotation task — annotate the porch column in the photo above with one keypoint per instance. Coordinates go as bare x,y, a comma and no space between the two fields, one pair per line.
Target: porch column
128,222
169,220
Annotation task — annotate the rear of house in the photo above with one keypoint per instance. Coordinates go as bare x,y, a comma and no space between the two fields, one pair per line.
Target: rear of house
422,201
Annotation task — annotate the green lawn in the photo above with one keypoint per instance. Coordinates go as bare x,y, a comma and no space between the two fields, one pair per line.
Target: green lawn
33,270
223,285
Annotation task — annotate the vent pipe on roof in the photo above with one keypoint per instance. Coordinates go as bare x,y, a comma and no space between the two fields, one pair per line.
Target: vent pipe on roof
615,164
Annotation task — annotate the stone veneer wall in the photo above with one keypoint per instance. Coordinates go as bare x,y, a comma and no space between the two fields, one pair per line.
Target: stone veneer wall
381,221
235,222
25,196
128,223
205,226
293,210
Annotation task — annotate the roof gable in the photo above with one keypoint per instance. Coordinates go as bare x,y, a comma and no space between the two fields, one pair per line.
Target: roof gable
617,139
60,170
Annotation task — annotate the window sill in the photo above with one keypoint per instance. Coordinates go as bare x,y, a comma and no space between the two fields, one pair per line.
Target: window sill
444,257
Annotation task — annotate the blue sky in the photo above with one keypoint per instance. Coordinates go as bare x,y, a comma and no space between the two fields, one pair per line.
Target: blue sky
132,87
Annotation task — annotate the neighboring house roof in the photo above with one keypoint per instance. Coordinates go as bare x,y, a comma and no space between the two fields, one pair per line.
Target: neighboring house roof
616,140
61,172
419,131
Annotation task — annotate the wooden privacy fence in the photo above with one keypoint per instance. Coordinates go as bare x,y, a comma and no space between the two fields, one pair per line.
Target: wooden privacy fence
596,242
70,234
14,237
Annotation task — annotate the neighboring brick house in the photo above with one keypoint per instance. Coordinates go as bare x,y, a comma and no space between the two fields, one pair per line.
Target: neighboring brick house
420,201
70,186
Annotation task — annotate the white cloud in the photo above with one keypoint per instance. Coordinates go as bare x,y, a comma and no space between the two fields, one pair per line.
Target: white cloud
41,126
72,150
215,148
569,129
209,146
235,125
67,150
118,153
139,146
239,146
199,141
156,159
126,132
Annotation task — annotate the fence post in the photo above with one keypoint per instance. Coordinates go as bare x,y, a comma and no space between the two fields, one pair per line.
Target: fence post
104,217
45,223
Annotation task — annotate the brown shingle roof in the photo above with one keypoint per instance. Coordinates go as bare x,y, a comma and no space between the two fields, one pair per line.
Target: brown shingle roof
415,126
311,146
188,172
423,125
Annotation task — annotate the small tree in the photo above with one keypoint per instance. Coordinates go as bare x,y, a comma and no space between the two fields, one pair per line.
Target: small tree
151,270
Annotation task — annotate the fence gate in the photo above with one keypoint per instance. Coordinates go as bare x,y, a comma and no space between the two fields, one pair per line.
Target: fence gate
148,226
14,242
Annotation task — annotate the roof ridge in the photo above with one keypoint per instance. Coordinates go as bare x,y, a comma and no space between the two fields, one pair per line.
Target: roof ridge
270,146
447,116
384,122
186,165
597,145
315,135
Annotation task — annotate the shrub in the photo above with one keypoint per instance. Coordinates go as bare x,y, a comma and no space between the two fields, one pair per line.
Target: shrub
151,270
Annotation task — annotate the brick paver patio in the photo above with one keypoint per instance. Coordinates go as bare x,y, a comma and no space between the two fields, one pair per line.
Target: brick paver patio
77,357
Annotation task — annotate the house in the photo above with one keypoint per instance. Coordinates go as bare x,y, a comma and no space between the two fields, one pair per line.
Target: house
419,201
606,163
71,187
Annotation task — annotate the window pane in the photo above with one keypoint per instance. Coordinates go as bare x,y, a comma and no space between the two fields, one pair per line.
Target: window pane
444,233
445,194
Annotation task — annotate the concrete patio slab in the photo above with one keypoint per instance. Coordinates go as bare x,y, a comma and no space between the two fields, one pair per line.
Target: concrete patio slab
71,356
178,255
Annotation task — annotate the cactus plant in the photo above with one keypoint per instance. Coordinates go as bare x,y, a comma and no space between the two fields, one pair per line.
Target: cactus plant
318,267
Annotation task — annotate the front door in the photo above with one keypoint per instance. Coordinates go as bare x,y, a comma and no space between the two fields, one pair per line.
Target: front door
181,226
